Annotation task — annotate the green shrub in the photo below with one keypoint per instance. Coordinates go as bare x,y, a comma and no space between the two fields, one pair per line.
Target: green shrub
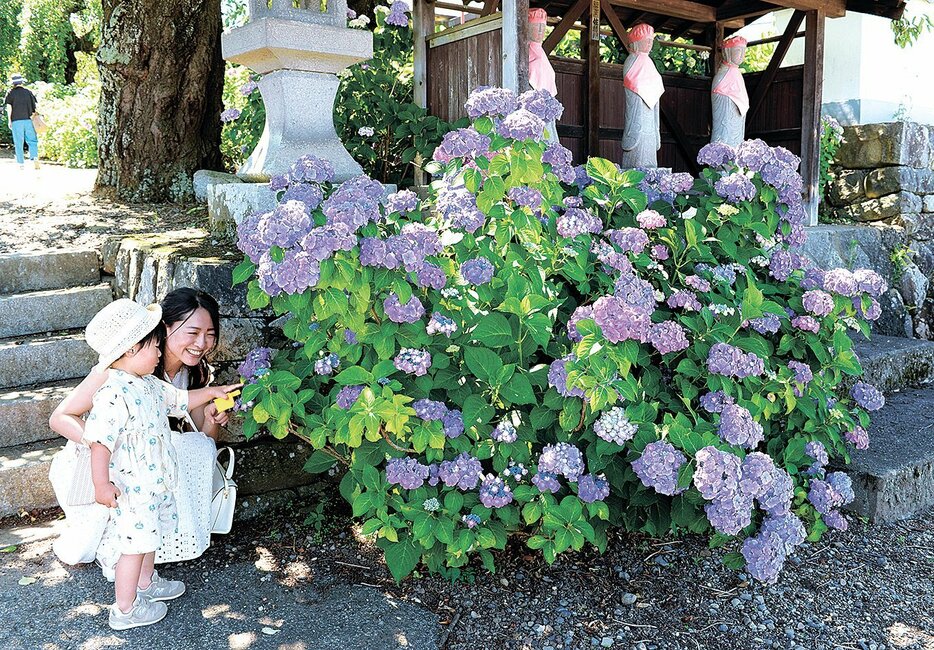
71,113
242,99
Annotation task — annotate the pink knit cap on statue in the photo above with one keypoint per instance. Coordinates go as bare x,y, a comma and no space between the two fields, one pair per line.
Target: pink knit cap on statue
641,32
538,16
734,41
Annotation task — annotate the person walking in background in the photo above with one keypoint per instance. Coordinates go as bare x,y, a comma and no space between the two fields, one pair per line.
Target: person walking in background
20,105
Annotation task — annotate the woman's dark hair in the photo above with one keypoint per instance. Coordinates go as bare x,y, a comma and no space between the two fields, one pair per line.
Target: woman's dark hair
177,307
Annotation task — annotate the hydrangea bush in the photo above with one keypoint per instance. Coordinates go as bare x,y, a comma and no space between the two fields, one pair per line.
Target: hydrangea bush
547,351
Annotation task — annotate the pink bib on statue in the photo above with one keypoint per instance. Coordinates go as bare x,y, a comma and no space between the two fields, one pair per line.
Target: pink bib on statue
541,74
733,86
643,79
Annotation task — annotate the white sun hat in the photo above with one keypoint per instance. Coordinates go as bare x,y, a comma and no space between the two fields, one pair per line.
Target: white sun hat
118,327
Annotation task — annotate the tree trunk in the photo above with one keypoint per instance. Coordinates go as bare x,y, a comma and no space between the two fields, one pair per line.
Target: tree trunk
162,76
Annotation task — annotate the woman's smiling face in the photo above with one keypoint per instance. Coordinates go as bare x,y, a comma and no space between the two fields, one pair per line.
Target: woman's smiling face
190,339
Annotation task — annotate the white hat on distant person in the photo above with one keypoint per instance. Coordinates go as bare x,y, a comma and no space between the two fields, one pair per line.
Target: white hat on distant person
118,327
17,79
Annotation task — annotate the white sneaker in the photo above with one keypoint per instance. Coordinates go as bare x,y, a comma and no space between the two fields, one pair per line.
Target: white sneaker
162,589
144,612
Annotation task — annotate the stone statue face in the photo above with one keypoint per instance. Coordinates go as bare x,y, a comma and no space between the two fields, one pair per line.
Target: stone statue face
734,55
537,32
641,47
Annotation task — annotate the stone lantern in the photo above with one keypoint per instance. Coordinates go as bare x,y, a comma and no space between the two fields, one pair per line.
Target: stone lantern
298,46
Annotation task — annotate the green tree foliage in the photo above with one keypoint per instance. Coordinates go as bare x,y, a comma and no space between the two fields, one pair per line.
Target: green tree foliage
918,20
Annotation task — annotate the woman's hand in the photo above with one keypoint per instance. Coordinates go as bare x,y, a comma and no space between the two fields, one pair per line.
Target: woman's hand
106,494
218,392
211,414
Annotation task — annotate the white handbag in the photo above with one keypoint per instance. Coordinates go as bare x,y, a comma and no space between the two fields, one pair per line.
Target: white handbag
70,475
224,491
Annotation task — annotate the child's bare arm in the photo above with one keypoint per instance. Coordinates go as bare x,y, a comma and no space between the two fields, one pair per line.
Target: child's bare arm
201,396
105,492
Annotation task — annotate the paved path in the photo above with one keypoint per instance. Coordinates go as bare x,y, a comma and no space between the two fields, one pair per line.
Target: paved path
239,597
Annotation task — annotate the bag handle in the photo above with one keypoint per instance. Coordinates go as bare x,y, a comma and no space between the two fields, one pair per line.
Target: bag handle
231,461
190,422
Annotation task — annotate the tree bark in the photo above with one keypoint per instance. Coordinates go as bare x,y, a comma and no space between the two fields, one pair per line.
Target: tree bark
162,77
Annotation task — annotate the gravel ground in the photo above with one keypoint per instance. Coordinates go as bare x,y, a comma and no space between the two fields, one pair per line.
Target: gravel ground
53,208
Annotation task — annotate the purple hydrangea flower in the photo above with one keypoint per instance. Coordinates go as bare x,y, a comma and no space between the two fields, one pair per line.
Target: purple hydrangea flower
831,493
816,450
453,423
764,558
494,493
278,182
463,472
348,396
285,225
327,364
858,437
697,283
660,252
477,270
407,472
754,154
730,514
308,193
735,188
466,144
836,520
413,361
738,427
398,14
803,373
872,312
841,282
248,88
592,488
562,459
429,409
471,520
230,115
491,102
526,196
781,264
867,396
870,282
322,242
766,324
724,359
714,402
668,336
311,169
716,154
431,276
355,203
806,324
614,426
619,321
629,239
410,312
658,467
459,207
583,312
577,221
505,432
558,377
546,482
683,299
817,302
441,324
559,157
296,272
257,363
757,474
542,104
776,500
521,125
403,201
717,474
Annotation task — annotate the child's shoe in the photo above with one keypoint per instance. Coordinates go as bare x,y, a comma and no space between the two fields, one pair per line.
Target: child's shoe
144,612
162,589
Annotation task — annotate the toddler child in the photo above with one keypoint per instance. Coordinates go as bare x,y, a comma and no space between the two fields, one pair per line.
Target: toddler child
133,463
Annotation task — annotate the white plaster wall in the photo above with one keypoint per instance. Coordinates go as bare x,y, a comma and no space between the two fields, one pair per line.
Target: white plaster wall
867,77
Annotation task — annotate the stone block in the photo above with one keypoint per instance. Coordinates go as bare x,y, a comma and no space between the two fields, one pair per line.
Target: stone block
868,146
214,276
40,360
109,252
927,203
894,478
895,319
49,311
205,178
913,285
267,464
885,207
238,337
846,187
24,413
853,247
891,363
231,203
37,271
24,477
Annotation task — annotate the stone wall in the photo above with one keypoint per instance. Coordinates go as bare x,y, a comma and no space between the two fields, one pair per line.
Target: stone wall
884,177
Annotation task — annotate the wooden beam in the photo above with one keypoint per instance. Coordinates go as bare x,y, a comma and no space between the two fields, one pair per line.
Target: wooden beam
876,8
567,20
423,26
681,139
684,9
758,95
680,29
516,45
830,8
810,111
593,79
619,30
489,6
742,9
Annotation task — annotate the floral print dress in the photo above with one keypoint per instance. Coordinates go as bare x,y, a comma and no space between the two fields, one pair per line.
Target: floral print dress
130,417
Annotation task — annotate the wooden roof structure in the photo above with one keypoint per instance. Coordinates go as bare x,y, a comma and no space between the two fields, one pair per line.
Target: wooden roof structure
495,50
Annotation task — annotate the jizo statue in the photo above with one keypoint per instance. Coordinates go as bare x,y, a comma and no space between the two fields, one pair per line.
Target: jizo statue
541,74
644,88
728,96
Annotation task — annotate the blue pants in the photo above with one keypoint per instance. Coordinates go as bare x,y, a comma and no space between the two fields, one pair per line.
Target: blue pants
24,131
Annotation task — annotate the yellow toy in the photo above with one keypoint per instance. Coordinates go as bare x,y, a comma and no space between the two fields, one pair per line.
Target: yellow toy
226,403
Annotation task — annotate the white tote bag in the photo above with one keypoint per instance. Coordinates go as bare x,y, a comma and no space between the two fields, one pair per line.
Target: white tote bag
224,498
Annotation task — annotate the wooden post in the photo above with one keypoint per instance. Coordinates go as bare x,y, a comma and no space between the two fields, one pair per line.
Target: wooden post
516,45
592,34
423,26
810,111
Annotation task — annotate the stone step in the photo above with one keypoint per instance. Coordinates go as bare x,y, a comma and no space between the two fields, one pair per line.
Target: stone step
52,269
41,360
892,363
894,478
24,413
51,310
24,477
